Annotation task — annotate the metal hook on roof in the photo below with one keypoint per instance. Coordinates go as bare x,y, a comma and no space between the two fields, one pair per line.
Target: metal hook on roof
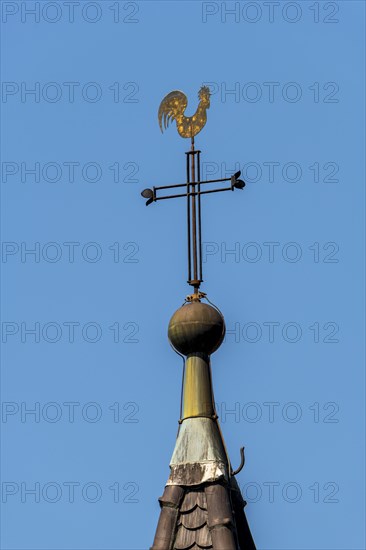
242,462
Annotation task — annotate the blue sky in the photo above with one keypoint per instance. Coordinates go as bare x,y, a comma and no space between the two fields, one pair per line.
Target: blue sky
106,273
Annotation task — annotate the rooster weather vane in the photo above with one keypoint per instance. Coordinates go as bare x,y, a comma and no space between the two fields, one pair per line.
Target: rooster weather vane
172,108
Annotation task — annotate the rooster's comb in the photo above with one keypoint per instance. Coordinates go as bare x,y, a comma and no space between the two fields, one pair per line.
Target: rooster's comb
204,90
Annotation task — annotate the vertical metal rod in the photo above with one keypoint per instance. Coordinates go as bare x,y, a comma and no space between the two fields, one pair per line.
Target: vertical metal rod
194,225
199,214
188,221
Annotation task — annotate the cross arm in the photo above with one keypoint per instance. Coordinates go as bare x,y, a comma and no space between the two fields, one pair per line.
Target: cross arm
152,194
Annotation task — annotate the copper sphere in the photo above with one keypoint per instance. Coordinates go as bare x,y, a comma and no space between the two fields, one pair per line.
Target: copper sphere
196,328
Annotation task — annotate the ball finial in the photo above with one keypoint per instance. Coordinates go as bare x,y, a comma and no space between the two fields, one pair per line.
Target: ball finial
196,328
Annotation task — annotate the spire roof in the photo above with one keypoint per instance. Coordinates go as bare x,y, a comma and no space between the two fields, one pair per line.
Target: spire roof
210,516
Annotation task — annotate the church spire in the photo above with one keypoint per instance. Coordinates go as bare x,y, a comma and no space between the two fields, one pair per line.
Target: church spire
202,507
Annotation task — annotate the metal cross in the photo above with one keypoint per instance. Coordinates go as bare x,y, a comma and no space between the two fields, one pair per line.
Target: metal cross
172,107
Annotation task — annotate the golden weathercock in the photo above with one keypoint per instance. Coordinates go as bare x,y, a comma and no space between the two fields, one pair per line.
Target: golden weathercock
173,106
202,506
